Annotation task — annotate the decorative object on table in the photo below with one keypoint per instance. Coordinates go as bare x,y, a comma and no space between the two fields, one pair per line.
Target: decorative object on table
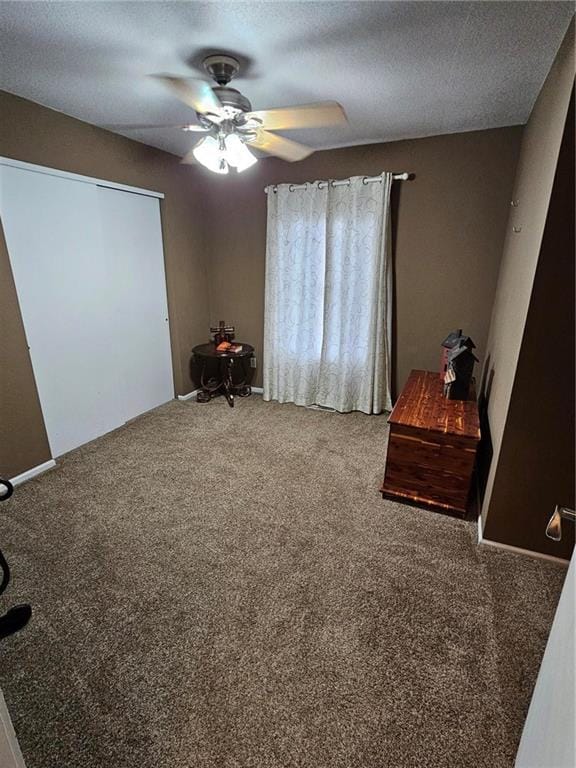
432,446
461,361
219,362
459,374
449,343
457,365
226,346
223,332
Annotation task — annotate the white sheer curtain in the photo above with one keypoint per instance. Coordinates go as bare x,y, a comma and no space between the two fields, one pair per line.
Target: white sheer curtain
328,295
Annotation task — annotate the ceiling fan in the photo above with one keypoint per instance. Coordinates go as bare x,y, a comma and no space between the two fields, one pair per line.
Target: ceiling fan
230,126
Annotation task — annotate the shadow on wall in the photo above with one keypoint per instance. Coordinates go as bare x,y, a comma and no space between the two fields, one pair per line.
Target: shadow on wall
485,447
195,369
394,209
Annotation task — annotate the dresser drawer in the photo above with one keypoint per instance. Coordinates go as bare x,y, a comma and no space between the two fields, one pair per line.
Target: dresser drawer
431,450
425,482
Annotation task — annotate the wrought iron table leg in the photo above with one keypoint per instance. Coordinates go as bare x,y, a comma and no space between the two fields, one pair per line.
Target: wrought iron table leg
205,395
227,381
242,388
224,383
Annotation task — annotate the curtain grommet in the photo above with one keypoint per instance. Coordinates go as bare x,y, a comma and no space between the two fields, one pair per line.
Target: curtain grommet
364,180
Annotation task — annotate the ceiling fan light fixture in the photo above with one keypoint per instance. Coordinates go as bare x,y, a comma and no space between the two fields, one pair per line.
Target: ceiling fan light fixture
237,153
209,154
226,116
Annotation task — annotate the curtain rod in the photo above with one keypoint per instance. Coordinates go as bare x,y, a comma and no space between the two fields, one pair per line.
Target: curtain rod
342,183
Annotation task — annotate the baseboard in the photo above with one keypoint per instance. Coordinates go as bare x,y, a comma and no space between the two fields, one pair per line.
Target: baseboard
189,396
30,473
192,395
517,550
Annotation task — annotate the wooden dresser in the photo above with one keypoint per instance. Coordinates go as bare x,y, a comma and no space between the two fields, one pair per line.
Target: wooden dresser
432,446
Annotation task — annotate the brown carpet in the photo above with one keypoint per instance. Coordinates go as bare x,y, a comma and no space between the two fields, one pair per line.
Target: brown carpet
218,588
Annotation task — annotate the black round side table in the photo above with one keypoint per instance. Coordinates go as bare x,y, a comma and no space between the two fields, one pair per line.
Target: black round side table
222,366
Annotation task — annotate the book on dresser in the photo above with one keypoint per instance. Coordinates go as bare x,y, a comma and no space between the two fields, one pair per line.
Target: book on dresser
432,446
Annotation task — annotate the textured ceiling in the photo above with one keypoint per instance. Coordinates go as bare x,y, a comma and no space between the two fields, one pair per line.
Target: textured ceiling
400,69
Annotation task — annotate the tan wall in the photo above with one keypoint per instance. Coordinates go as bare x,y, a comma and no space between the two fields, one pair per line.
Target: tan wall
35,134
536,465
532,189
449,223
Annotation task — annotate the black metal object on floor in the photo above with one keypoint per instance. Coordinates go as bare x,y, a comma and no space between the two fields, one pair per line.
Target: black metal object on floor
18,616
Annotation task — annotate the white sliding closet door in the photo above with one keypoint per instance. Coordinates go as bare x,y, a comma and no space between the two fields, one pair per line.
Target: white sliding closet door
132,241
89,272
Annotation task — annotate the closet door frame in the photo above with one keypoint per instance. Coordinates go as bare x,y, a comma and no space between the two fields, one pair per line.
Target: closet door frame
78,177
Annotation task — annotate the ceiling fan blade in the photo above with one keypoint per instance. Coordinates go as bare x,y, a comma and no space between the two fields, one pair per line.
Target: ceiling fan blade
147,127
315,115
279,146
195,93
194,129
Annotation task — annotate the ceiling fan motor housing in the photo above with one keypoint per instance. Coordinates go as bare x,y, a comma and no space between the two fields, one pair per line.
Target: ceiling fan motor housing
221,67
232,99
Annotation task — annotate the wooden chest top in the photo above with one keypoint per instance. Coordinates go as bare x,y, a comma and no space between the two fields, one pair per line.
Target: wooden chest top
422,405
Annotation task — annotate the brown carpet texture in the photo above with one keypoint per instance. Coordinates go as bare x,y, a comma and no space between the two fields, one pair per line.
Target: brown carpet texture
225,588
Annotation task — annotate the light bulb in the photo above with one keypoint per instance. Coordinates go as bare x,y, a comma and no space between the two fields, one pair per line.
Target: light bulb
209,154
238,154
